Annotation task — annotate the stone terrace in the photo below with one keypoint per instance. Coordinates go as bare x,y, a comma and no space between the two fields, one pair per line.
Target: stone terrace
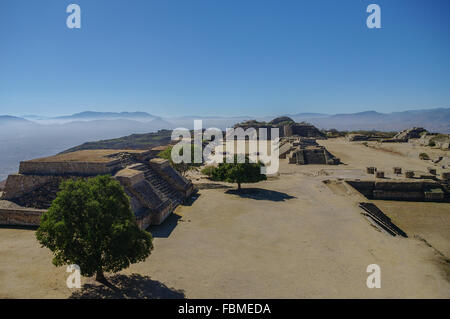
154,187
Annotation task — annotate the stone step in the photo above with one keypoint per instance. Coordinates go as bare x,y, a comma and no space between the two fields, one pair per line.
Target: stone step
165,190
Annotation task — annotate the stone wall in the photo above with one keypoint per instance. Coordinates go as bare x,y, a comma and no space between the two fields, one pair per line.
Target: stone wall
67,168
18,185
400,190
153,217
154,187
20,217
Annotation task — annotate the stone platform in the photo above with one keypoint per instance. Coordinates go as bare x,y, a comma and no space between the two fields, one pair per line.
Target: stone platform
402,190
154,187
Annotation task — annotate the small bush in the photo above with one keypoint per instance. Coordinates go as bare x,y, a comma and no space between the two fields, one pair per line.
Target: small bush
208,170
431,143
424,156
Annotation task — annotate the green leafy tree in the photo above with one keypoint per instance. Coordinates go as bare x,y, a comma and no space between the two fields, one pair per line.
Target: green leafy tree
91,224
183,168
238,172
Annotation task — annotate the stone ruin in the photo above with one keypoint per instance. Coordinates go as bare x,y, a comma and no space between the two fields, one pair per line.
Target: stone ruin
304,150
403,190
154,187
288,127
405,135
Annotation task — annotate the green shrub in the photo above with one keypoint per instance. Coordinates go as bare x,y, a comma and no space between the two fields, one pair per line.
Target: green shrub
424,156
208,170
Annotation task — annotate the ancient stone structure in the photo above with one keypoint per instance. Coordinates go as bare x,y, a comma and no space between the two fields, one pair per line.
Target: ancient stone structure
303,130
379,174
287,127
409,174
154,187
417,190
383,221
302,151
405,135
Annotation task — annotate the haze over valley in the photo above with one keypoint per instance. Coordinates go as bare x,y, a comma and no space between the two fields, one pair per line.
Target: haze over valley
32,136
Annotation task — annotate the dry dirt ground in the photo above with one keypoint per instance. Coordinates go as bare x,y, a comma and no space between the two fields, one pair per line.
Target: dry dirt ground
291,236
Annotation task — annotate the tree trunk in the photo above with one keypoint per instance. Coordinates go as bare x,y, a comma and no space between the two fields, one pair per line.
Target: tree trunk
239,186
100,277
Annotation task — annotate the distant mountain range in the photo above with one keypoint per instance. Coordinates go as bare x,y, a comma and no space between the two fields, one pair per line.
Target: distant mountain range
435,120
89,115
432,119
8,119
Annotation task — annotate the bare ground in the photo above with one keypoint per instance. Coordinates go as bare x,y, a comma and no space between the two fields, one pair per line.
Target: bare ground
292,236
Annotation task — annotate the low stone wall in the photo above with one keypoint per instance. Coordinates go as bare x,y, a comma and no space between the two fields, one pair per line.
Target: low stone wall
400,190
67,168
20,217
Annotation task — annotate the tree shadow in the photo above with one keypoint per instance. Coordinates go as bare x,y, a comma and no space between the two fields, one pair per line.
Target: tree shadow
165,229
260,194
212,186
134,286
24,227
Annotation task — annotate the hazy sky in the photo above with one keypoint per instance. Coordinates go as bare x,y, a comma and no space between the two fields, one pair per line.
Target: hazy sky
223,57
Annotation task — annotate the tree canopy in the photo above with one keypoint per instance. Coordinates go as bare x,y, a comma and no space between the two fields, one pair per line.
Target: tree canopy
238,172
91,224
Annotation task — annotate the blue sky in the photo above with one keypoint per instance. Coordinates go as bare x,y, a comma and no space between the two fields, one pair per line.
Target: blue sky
223,57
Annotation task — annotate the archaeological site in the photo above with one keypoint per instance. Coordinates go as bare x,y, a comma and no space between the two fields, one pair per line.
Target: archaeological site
235,152
154,187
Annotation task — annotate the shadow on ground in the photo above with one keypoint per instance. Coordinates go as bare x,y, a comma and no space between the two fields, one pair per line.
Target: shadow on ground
133,286
19,227
260,194
166,228
191,200
212,186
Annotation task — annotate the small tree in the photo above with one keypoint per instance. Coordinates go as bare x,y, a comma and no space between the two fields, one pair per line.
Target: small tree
182,168
91,224
239,172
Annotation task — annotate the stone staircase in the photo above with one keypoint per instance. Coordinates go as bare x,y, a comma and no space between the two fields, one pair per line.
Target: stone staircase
284,149
161,186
